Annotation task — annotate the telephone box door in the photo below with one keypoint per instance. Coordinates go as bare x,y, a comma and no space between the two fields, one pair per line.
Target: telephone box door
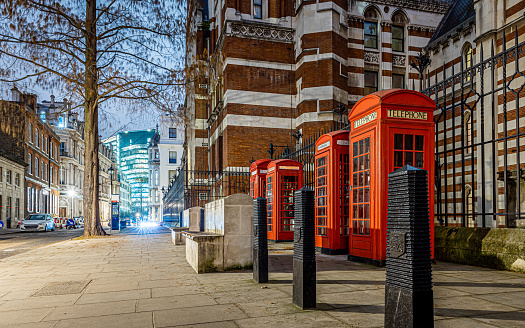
363,223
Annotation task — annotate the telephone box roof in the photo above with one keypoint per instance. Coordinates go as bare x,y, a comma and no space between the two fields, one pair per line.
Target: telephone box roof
394,97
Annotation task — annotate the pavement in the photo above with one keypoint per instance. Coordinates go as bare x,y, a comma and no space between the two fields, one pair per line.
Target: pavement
140,279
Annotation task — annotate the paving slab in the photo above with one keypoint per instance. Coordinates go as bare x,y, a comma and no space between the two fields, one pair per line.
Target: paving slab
194,315
128,320
91,310
174,302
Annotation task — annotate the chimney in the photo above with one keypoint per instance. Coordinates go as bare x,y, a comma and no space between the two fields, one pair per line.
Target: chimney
15,94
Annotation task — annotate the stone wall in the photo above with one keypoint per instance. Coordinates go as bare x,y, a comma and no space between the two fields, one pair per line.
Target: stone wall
497,248
232,217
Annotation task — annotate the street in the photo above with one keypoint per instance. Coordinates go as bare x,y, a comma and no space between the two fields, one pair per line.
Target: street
21,242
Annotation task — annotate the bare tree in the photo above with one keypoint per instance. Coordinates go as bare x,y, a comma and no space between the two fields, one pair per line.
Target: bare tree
105,52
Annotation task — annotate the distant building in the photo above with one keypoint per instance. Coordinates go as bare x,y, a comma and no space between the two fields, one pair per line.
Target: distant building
70,130
132,156
165,154
154,197
12,164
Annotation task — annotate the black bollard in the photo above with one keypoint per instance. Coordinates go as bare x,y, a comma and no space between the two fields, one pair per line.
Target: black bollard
408,291
304,267
260,241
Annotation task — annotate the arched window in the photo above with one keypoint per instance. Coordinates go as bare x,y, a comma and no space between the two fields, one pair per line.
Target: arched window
467,60
371,29
467,131
469,204
398,32
467,56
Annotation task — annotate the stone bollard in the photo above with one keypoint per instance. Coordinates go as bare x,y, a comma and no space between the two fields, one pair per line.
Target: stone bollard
408,291
304,267
260,241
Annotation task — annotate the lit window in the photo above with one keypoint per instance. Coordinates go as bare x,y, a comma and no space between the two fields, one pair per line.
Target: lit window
468,56
173,157
257,8
370,82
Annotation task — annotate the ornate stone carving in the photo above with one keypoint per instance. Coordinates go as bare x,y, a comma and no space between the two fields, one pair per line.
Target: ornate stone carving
258,31
371,57
352,18
435,6
399,60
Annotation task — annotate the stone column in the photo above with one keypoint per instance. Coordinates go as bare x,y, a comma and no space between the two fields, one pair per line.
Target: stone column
304,266
260,241
408,293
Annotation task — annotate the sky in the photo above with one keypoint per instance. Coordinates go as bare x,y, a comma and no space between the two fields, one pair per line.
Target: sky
111,120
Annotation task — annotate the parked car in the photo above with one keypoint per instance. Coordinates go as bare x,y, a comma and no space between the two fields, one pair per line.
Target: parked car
38,222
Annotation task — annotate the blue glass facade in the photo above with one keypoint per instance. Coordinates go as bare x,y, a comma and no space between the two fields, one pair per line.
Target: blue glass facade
132,154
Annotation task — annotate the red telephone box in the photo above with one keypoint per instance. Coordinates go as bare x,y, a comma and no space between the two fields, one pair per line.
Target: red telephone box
284,177
332,182
258,171
389,129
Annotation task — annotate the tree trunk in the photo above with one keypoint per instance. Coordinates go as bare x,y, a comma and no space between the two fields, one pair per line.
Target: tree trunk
92,224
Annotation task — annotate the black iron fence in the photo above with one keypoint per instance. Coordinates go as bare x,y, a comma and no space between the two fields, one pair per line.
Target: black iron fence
198,187
479,139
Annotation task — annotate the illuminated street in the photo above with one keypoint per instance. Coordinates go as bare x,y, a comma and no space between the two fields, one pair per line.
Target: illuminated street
21,242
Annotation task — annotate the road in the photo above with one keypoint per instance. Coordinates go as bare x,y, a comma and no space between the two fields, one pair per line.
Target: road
21,242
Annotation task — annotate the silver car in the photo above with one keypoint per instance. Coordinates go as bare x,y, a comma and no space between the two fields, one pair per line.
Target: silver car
38,222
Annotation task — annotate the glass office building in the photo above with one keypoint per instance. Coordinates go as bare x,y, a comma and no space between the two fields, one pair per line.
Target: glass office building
132,153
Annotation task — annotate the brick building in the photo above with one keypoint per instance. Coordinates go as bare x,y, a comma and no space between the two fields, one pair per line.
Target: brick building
12,164
475,76
40,153
273,71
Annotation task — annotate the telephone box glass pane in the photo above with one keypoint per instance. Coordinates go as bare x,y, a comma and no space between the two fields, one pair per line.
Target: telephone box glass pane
419,160
419,143
409,142
361,178
409,158
398,141
398,158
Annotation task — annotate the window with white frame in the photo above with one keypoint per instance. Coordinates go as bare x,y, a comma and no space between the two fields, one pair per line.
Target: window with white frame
371,28
398,32
172,157
8,176
257,9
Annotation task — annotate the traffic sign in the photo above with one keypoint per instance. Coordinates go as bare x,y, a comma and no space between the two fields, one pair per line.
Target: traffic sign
1,224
